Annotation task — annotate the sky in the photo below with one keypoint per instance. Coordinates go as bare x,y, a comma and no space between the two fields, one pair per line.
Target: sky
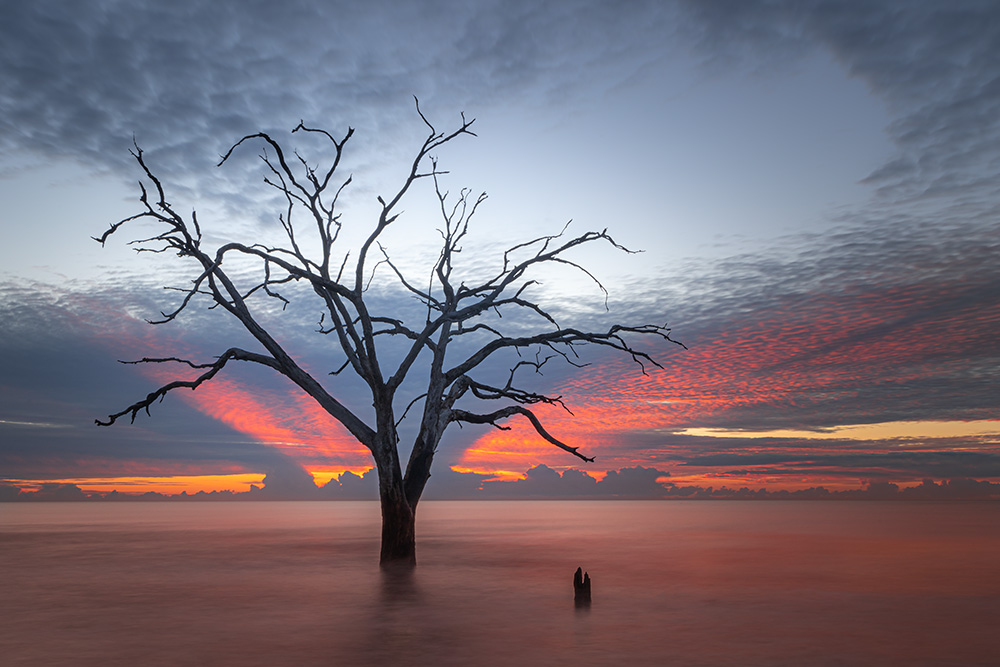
813,186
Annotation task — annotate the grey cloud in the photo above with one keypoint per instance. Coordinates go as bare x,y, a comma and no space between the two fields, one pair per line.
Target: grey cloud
894,465
191,77
947,489
352,487
635,482
63,344
446,484
540,481
933,63
55,492
544,482
289,481
936,65
899,458
958,488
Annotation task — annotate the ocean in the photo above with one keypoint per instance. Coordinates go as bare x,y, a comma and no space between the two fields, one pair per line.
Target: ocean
674,583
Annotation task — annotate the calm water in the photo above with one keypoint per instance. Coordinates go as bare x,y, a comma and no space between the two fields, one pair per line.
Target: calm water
675,583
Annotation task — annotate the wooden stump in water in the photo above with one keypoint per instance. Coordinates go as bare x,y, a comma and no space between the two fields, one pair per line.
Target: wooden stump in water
581,588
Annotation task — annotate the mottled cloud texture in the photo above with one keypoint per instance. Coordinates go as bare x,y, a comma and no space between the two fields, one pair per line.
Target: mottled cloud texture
874,326
889,314
932,63
188,78
806,339
82,77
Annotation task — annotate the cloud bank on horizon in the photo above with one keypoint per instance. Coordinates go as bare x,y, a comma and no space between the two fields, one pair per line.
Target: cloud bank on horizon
737,133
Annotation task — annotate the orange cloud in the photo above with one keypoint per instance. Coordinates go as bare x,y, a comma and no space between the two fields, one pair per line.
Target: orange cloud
289,421
167,485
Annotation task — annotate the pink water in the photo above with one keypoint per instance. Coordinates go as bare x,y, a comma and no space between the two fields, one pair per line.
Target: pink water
675,583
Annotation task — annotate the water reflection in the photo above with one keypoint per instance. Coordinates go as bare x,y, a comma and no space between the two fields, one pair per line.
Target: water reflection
398,585
674,583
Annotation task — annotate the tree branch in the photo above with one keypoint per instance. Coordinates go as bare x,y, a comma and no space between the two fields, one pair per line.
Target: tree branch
569,337
213,369
510,410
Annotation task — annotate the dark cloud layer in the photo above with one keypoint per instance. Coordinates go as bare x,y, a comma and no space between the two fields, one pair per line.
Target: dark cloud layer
289,481
82,77
188,78
895,465
352,487
61,373
933,63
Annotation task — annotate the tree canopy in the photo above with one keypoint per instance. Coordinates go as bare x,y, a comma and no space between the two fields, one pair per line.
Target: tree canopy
339,278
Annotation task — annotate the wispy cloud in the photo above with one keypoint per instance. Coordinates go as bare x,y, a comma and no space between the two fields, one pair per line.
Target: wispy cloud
933,64
12,422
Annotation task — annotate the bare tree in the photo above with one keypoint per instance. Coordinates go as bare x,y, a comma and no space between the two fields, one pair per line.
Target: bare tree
454,311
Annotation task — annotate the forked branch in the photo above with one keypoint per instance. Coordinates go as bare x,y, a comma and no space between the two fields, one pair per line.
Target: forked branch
503,413
212,369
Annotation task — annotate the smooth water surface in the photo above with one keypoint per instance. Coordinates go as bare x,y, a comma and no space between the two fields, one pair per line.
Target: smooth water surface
675,583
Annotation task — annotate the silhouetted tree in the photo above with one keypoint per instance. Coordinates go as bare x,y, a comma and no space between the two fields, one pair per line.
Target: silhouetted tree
454,310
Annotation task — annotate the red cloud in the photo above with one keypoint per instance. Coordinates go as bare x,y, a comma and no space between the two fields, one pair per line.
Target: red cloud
792,355
806,356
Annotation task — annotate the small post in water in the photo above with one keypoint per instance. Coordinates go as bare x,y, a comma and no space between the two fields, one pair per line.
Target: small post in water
581,588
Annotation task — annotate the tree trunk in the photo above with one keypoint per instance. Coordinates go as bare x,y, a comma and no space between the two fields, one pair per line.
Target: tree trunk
418,471
399,546
398,516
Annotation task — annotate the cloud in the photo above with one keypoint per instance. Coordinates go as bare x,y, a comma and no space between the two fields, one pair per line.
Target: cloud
927,489
542,481
54,492
288,482
871,464
63,343
933,64
188,80
351,486
870,323
82,78
947,489
447,484
898,319
635,482
9,493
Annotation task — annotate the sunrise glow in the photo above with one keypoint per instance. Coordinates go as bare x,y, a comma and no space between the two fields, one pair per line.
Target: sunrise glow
189,484
883,431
